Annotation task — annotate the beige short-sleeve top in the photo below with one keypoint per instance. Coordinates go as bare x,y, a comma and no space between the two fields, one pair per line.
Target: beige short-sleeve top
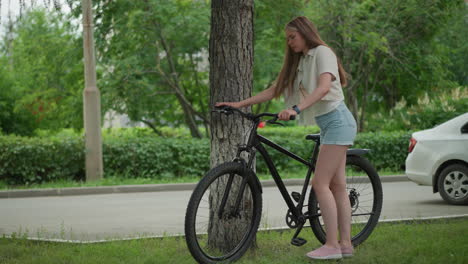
318,60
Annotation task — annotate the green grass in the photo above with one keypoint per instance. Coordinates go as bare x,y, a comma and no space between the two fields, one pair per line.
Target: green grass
437,241
113,181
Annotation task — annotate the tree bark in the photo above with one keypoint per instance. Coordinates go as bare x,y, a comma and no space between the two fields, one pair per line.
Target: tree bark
231,79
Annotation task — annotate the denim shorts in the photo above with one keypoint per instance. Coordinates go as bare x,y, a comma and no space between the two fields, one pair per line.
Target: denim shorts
337,127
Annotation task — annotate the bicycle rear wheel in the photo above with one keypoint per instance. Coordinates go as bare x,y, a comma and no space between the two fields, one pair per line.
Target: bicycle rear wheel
223,214
365,194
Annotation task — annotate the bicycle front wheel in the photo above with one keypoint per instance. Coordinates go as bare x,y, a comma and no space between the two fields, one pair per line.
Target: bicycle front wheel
223,214
365,194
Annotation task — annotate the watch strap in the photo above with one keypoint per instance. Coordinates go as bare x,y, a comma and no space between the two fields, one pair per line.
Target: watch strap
295,108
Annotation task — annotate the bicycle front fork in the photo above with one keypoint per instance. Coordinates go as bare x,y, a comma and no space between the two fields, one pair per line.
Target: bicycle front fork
227,190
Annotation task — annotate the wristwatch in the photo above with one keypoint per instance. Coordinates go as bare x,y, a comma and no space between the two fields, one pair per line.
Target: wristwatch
295,108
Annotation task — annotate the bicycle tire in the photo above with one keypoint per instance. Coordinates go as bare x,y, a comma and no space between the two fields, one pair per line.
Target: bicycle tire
198,241
360,202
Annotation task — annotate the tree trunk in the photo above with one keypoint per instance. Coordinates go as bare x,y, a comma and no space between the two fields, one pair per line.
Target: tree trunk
231,79
352,100
363,105
350,91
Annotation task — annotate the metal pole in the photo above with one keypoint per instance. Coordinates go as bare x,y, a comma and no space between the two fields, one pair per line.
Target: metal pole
91,100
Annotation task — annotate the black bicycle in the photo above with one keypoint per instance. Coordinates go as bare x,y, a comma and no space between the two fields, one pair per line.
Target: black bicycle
228,199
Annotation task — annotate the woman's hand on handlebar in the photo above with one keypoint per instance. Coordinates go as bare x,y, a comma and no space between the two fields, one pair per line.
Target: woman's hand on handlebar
231,104
286,114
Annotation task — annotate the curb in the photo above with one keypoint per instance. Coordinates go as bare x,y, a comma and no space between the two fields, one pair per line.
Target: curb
27,193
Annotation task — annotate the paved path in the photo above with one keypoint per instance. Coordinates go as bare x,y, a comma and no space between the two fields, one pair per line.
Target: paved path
129,215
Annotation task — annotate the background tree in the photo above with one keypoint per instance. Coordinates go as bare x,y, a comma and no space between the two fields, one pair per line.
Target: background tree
452,42
153,56
42,74
231,79
387,48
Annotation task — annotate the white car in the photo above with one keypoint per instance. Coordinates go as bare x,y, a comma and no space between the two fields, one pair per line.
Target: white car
439,157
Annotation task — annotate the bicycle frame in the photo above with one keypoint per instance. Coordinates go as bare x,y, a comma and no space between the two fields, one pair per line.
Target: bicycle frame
295,210
256,142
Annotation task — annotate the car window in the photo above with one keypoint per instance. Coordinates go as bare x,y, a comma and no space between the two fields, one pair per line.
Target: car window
455,123
464,129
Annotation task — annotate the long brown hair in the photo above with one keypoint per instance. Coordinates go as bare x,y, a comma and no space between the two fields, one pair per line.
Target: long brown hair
312,38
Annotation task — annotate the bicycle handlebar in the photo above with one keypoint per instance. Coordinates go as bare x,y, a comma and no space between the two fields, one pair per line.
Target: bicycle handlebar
227,110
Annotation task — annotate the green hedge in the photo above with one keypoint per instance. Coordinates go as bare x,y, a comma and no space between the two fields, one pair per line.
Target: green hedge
34,160
31,160
156,157
388,149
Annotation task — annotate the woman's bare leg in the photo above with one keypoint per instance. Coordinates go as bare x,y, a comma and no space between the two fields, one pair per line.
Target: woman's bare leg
329,160
343,206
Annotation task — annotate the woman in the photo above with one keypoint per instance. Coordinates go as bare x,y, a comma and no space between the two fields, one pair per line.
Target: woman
311,81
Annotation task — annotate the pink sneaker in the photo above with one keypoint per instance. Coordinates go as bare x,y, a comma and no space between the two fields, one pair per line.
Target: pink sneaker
325,252
347,251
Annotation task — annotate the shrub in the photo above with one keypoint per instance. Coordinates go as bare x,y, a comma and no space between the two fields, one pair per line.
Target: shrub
427,113
35,160
388,149
155,157
31,160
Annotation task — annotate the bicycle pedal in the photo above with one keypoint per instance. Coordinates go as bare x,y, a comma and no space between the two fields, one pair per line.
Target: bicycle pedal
298,241
296,196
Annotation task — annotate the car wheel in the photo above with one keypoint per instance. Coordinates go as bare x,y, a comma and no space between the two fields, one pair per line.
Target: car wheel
453,184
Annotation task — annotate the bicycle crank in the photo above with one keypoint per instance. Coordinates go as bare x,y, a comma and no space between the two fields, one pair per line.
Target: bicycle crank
290,220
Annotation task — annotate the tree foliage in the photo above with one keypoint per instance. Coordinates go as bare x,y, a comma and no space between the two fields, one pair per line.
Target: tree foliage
42,74
387,47
153,57
452,42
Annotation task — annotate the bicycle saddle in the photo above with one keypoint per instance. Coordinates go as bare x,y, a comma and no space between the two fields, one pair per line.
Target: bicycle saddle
314,137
